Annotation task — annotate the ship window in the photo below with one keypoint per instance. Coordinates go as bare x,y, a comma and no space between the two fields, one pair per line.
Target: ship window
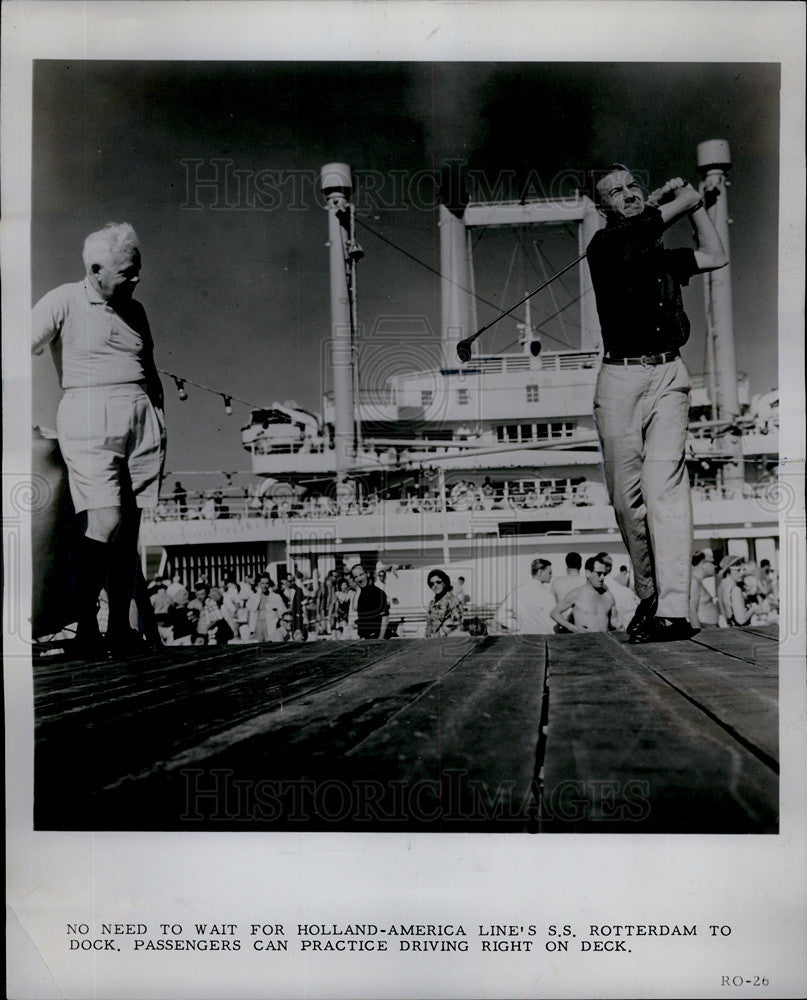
426,397
462,397
526,432
532,393
555,430
512,432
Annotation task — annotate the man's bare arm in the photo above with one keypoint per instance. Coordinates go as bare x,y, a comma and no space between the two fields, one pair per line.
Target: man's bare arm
710,254
694,592
677,198
674,199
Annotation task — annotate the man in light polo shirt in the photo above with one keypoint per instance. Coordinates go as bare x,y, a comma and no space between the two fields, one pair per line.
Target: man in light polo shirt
110,421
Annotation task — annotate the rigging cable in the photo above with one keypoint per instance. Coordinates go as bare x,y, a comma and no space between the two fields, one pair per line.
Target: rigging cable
434,270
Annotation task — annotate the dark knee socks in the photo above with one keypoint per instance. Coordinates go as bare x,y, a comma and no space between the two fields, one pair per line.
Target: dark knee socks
91,571
121,577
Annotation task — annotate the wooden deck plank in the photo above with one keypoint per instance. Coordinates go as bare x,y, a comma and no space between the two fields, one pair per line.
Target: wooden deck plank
416,735
288,737
169,672
757,649
469,742
741,696
249,677
665,765
129,736
766,631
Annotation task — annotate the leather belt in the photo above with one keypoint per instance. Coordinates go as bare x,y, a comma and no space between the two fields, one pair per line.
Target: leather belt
645,359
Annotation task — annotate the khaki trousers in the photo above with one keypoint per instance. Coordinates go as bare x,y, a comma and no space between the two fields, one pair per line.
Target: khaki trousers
641,414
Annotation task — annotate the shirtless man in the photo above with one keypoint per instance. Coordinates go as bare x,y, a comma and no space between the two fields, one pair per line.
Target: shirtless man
593,604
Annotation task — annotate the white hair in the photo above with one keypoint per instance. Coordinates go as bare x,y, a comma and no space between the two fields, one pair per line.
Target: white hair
115,239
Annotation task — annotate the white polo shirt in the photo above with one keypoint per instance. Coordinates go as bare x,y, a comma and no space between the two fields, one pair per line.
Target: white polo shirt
93,344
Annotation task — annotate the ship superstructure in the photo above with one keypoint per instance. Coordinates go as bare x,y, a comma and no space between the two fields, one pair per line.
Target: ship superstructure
476,466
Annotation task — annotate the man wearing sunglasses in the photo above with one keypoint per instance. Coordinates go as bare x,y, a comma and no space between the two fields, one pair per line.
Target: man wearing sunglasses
593,606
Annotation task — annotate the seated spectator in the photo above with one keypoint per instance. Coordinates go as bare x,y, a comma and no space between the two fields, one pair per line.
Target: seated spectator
283,632
768,582
755,601
208,509
213,626
730,598
703,609
176,590
340,606
221,509
160,601
201,592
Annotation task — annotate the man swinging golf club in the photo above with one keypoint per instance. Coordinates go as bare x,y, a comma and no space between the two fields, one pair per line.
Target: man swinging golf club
641,402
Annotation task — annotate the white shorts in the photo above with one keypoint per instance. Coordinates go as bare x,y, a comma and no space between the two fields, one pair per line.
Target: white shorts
111,435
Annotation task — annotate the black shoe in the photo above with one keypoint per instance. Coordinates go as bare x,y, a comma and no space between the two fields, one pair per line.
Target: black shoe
90,649
663,630
644,613
123,644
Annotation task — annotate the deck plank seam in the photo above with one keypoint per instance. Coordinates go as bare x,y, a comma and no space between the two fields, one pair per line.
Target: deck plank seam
723,652
535,808
405,708
753,630
761,755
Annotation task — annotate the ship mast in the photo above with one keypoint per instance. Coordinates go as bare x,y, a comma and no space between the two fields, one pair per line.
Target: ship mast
714,160
337,185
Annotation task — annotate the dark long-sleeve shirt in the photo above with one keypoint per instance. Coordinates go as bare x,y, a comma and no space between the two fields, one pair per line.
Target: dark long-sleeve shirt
637,283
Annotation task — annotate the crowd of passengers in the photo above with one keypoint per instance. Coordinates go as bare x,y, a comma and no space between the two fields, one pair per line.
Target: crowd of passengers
357,602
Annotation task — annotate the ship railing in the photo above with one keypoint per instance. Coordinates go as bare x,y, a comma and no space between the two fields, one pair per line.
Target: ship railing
265,446
747,491
383,397
503,364
198,508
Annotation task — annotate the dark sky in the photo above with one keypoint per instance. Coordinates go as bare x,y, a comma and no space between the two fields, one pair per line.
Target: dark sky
237,289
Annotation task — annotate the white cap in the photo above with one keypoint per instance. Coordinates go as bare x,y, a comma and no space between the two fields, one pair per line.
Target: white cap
335,177
714,153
